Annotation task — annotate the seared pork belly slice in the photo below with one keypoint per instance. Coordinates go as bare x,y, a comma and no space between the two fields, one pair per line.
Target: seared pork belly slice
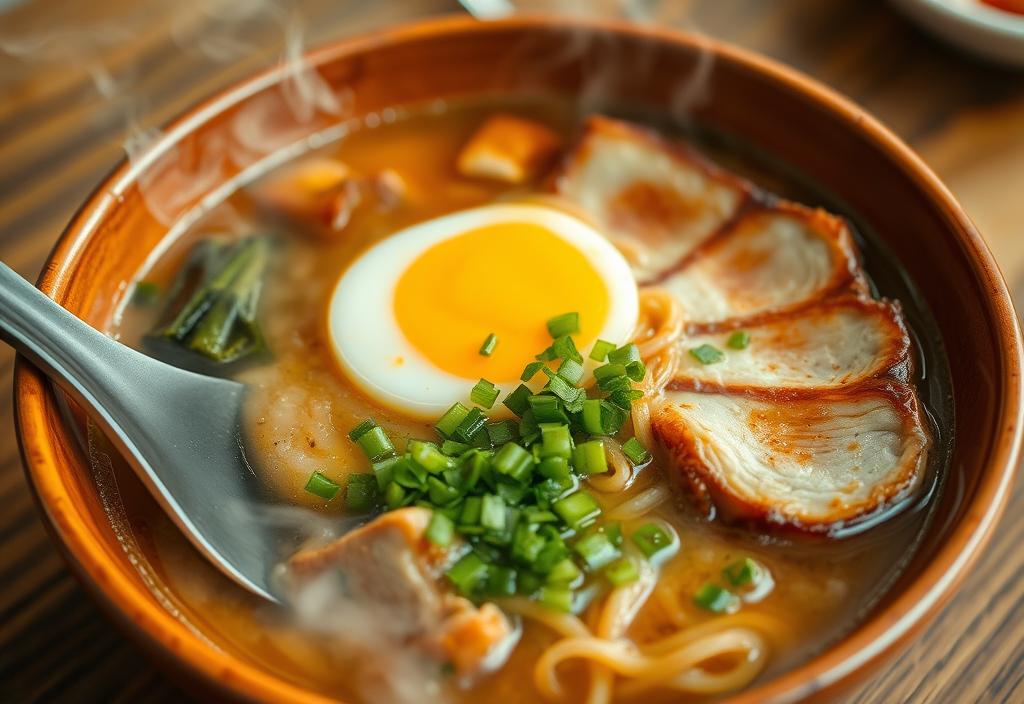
389,570
655,199
771,258
814,463
837,343
509,149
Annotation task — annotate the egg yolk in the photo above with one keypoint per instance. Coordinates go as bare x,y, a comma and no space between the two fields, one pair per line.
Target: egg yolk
508,279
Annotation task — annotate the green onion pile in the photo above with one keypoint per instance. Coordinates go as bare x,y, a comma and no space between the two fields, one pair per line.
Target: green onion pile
511,488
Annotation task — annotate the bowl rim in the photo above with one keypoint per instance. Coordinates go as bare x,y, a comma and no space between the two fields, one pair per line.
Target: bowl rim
162,633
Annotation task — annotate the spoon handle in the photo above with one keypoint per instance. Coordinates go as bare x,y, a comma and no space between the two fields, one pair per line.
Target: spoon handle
82,360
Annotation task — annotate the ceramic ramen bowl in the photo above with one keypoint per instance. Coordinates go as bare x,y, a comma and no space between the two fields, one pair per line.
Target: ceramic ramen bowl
778,111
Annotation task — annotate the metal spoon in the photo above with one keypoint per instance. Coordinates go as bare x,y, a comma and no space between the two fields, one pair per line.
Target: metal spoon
180,431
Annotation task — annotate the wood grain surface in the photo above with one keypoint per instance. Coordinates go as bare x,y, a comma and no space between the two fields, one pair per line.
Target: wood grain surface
77,80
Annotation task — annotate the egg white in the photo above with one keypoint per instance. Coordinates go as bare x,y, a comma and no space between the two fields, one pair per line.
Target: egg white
367,339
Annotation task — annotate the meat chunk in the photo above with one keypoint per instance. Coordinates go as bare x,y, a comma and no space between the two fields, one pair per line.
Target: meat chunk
838,343
509,149
657,200
813,463
769,259
389,569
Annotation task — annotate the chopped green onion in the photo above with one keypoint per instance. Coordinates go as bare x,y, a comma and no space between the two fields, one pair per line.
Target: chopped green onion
614,533
361,429
555,440
361,492
441,494
512,493
484,393
440,530
571,371
707,354
410,475
739,340
557,598
555,467
744,572
536,515
501,581
530,370
609,371
518,400
562,388
635,451
600,350
513,461
636,370
526,545
651,539
384,470
322,486
487,348
502,431
625,354
474,421
454,448
564,572
547,409
622,571
589,457
394,496
565,324
547,355
426,455
451,419
376,444
716,599
492,512
564,348
578,509
471,509
596,550
467,573
624,398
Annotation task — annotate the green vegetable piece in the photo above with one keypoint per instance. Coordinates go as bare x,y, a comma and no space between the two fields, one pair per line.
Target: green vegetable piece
487,348
636,370
599,352
376,444
451,419
578,509
321,486
565,324
501,581
468,573
625,354
622,571
651,539
361,429
518,400
454,448
564,348
484,393
635,452
564,572
145,293
745,572
361,493
571,371
513,461
707,354
428,456
492,512
596,550
739,340
440,530
716,599
530,370
502,431
557,598
555,440
589,457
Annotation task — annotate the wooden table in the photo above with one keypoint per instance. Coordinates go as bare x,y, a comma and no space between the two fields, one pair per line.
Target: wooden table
81,82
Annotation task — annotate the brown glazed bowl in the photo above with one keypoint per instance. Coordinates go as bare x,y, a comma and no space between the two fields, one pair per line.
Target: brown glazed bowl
780,111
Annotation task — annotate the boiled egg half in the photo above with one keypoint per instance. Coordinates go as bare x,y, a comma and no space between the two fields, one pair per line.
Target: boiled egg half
408,317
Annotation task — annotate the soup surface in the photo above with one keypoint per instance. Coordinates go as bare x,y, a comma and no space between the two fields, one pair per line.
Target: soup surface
808,581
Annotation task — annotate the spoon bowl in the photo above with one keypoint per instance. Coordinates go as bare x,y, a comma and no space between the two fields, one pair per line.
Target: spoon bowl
180,431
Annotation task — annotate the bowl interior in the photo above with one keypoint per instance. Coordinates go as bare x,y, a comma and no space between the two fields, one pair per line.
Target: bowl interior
686,79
